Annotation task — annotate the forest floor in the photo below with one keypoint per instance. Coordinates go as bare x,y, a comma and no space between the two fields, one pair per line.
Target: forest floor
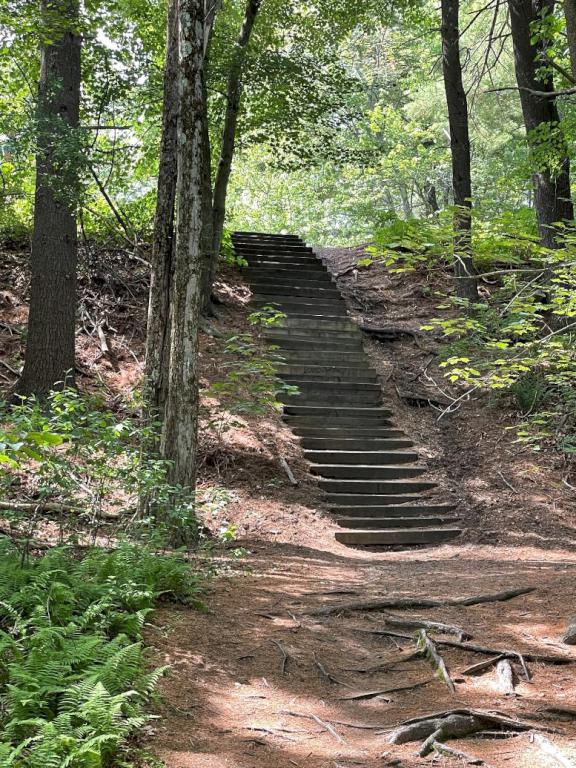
258,681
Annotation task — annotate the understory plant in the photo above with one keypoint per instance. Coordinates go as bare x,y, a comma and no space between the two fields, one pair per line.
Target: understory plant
74,675
519,340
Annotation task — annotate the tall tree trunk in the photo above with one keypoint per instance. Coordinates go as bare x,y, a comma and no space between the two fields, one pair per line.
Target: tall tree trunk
233,96
181,415
50,347
466,286
570,17
208,259
158,333
552,197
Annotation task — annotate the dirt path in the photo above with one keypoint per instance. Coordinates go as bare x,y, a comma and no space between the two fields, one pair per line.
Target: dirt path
234,701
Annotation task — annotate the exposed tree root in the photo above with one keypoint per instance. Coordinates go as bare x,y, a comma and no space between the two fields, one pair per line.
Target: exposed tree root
455,724
427,646
505,675
285,656
383,603
505,654
432,626
552,751
445,750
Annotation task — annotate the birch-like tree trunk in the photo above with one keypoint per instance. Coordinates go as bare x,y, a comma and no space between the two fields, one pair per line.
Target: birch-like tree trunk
158,332
233,97
181,414
50,347
456,100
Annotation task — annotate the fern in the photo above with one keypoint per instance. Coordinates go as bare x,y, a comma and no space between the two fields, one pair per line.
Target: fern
73,682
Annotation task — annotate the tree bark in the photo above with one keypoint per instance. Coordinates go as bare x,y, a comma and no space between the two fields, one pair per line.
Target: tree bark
158,332
233,97
50,348
466,286
181,415
570,17
552,197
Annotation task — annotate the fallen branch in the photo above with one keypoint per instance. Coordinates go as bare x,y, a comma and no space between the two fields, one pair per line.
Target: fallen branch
382,603
286,468
316,719
427,646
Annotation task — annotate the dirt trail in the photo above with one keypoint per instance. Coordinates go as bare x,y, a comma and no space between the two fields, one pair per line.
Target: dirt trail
233,700
260,683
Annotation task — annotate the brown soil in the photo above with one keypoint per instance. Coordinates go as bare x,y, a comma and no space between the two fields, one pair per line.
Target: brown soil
232,700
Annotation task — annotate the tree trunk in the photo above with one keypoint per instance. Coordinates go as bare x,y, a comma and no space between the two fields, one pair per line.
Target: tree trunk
431,198
466,286
181,415
570,17
209,261
233,95
158,332
552,197
50,347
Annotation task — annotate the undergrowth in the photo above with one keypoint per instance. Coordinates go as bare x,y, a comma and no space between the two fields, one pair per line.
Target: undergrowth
519,340
74,677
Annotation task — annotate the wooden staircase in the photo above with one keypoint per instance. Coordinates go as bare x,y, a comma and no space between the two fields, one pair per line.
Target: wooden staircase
367,467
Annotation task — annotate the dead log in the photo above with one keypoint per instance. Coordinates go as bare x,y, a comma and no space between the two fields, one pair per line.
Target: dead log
380,604
505,675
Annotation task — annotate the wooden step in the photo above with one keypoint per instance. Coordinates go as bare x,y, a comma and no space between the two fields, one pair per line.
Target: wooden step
338,412
361,457
394,522
354,444
393,510
373,487
372,472
392,496
396,536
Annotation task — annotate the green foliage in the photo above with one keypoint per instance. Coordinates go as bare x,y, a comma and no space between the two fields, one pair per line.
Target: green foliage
74,450
250,384
74,679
